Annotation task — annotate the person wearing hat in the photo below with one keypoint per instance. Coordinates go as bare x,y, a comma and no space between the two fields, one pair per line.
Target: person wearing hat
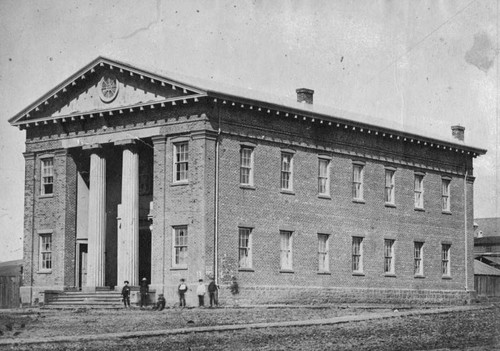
160,304
126,294
144,290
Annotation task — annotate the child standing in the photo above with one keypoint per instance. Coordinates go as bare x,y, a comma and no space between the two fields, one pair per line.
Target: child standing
126,294
200,291
182,289
212,292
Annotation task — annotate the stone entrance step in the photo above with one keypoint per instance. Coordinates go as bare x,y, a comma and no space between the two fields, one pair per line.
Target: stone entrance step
99,299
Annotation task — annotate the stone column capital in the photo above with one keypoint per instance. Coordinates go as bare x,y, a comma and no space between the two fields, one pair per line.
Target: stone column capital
29,156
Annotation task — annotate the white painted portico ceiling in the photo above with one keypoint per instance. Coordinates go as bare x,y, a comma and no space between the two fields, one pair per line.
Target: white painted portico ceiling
247,98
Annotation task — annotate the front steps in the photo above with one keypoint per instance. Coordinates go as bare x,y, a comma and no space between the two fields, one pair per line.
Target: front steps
98,300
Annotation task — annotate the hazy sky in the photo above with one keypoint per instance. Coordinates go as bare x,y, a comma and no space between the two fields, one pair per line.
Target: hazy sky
430,64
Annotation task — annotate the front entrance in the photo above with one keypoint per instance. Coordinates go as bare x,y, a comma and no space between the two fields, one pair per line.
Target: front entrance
82,249
145,254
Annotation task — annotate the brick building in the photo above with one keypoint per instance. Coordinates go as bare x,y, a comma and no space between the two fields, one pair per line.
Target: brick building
133,174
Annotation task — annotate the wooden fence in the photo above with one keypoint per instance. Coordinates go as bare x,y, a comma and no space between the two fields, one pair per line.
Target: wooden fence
487,285
9,291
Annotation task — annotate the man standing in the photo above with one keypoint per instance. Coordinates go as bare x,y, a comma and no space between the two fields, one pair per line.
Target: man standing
182,289
144,290
126,294
212,292
200,291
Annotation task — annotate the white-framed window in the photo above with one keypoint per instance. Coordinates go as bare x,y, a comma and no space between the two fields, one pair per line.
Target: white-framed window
445,259
46,252
324,176
418,258
389,256
357,254
286,250
181,161
389,186
180,254
323,253
357,181
245,247
445,194
286,171
47,170
419,190
246,165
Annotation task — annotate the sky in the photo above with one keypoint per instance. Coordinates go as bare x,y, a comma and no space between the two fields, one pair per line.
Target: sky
429,64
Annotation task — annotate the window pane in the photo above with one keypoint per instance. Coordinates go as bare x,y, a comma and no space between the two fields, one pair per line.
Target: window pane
323,176
246,166
286,171
286,250
181,161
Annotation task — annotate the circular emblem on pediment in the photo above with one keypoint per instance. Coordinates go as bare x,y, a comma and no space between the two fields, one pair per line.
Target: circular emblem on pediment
108,88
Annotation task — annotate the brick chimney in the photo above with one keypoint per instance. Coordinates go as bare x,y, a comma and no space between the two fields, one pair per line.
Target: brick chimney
305,95
458,132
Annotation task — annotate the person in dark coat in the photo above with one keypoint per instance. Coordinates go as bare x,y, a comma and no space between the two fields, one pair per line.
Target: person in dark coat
160,304
212,292
144,290
182,289
126,294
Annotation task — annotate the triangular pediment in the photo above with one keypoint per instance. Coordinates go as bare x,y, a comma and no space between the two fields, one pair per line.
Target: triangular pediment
105,85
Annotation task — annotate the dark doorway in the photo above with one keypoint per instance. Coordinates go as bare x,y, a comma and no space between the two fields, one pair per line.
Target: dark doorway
82,265
145,254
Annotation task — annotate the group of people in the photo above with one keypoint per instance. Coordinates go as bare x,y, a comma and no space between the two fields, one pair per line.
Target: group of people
182,290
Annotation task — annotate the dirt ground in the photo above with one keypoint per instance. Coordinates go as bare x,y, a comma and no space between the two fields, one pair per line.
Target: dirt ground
477,330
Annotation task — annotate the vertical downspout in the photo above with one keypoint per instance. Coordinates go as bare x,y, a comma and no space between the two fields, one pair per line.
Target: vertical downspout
33,233
216,204
465,232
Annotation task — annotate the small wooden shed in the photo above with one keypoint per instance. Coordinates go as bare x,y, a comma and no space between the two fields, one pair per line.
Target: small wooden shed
486,279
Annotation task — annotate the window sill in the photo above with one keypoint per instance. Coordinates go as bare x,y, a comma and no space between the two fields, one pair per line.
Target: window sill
358,274
358,201
178,268
419,276
419,209
287,192
286,271
324,273
390,205
446,277
45,196
246,270
180,183
45,272
390,275
247,187
446,212
324,196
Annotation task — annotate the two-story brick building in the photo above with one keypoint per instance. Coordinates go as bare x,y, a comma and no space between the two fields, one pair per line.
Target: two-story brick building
133,174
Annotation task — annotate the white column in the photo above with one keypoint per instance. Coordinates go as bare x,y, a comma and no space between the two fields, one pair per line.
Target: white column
128,239
97,220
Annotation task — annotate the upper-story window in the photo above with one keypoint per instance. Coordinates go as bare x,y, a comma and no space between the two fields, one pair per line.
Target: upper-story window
181,153
389,186
286,171
246,165
47,186
419,190
357,181
324,176
445,194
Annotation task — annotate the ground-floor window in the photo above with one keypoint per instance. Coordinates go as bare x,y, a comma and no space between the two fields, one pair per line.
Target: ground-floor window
418,258
357,254
323,257
180,246
286,250
245,243
45,252
445,259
